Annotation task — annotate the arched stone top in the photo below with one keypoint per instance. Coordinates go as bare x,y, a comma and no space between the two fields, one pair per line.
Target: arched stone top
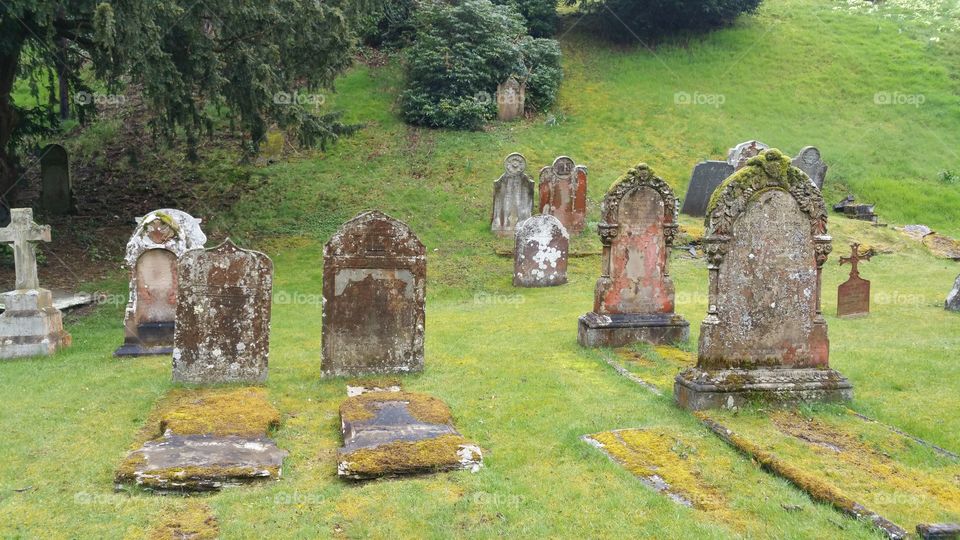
374,234
542,226
515,163
199,264
638,177
170,229
54,153
768,170
563,166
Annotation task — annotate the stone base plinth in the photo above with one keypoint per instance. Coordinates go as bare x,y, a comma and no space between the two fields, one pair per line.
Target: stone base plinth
697,389
150,339
623,329
30,325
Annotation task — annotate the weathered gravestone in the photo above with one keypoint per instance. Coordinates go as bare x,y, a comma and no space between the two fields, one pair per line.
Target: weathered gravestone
563,193
223,316
741,153
810,162
953,299
706,176
29,325
634,297
764,335
512,196
511,99
56,190
374,284
157,243
540,252
853,295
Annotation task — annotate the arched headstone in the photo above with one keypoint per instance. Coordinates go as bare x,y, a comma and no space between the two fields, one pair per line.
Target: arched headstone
563,193
374,291
157,243
512,196
764,335
634,297
511,99
810,162
704,180
540,252
56,190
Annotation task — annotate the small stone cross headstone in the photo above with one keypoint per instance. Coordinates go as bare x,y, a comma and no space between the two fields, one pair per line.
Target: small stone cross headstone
853,296
563,193
23,234
512,196
56,190
540,252
810,162
706,176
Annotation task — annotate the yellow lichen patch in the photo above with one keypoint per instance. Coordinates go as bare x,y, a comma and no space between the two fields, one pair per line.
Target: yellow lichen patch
656,365
163,478
428,455
690,234
193,521
676,356
219,411
126,472
421,406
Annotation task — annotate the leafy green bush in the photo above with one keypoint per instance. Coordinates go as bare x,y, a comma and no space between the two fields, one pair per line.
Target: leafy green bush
540,15
390,23
459,56
650,20
948,177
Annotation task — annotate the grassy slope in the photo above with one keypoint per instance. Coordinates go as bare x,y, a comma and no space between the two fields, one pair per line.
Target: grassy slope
512,373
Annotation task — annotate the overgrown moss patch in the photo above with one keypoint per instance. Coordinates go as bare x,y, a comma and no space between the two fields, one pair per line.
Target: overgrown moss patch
657,365
427,409
441,453
191,521
219,411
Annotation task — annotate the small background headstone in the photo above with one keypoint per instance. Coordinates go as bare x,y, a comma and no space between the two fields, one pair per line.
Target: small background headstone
741,153
56,190
512,196
511,99
706,177
563,193
540,252
953,299
810,162
853,295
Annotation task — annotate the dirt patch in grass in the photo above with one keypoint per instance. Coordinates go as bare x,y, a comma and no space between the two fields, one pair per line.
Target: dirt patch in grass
192,521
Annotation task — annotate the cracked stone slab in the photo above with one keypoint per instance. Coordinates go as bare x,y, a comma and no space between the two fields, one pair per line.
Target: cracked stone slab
401,433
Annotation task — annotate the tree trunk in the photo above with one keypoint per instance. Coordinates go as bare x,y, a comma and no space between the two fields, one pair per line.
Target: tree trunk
63,76
9,59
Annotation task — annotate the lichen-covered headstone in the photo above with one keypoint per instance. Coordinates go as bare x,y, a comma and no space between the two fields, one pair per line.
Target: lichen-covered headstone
634,297
810,162
706,176
223,316
764,336
512,196
540,252
156,245
511,99
741,153
374,286
56,190
563,193
953,299
30,325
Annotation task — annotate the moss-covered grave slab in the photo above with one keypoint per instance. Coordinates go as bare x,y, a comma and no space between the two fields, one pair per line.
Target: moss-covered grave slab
400,433
203,440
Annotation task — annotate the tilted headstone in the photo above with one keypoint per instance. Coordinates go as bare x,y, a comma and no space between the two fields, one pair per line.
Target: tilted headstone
634,297
511,99
540,252
56,190
223,316
563,193
764,335
741,153
512,196
29,325
810,162
374,290
706,176
953,298
853,295
159,240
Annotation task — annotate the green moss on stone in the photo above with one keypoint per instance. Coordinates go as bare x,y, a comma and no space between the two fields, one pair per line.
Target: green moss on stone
424,408
755,169
406,457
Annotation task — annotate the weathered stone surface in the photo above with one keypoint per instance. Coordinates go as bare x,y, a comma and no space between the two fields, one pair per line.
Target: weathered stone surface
764,335
634,296
29,325
400,433
939,531
56,189
942,246
810,162
511,99
704,180
512,196
374,289
741,153
953,299
159,240
853,295
223,316
563,193
916,232
540,252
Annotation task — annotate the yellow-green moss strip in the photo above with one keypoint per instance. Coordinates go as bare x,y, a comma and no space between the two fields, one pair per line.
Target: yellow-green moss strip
439,453
194,520
220,412
421,406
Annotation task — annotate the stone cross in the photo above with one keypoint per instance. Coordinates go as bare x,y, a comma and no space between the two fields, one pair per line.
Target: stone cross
855,258
23,233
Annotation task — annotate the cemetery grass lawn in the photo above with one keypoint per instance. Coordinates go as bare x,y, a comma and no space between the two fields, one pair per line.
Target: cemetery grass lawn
506,360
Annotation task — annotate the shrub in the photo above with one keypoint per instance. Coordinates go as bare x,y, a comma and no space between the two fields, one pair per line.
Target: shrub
650,20
460,55
390,23
540,15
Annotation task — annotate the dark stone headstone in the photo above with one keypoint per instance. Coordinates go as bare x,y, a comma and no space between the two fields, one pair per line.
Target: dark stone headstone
563,193
374,287
540,252
56,191
764,335
512,196
634,297
223,316
706,176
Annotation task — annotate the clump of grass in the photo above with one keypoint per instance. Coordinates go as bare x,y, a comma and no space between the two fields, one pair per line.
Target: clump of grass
194,521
